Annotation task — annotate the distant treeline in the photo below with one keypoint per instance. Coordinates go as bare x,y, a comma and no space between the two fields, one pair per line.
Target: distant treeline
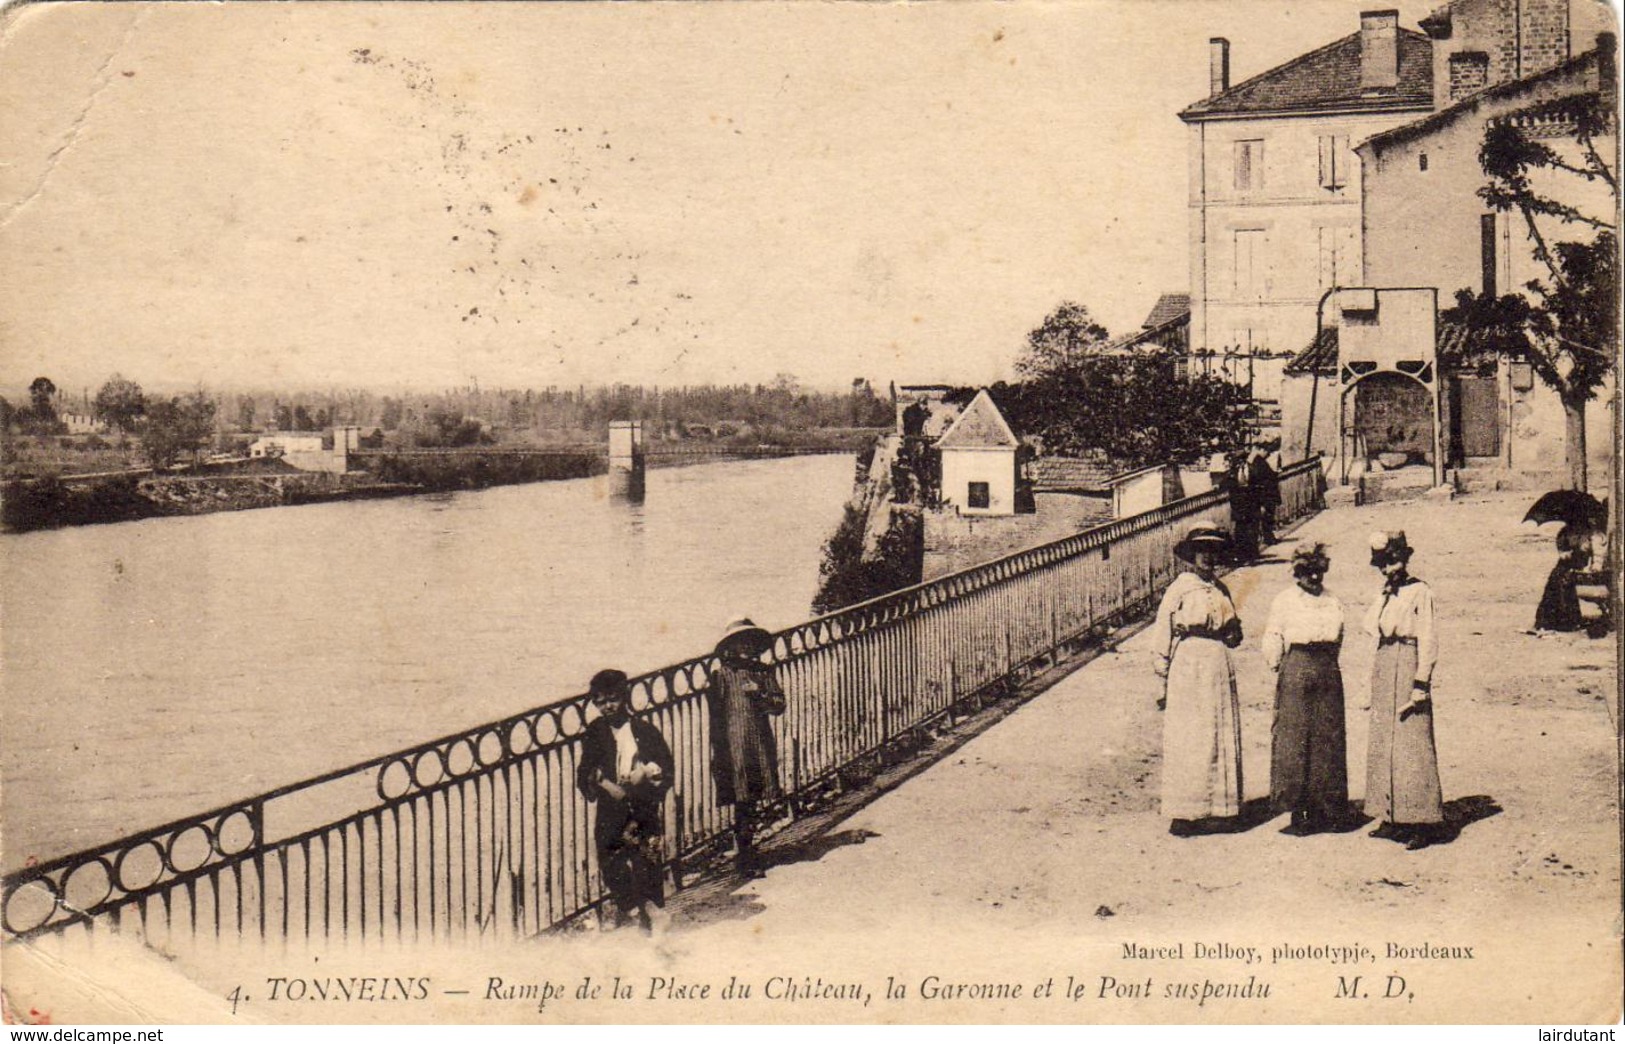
475,470
783,404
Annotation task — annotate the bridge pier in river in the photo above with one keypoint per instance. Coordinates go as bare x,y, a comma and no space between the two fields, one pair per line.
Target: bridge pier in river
626,459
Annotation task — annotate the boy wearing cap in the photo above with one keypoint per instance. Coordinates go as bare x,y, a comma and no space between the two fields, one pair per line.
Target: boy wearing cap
626,769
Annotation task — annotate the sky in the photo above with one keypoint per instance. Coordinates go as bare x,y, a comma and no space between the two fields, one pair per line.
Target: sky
425,195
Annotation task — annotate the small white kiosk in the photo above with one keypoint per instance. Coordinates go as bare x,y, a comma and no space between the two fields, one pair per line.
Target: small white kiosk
978,453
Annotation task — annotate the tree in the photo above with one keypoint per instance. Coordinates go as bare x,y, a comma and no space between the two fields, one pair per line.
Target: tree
1065,338
1558,184
442,427
177,426
120,403
40,418
1134,409
245,412
846,576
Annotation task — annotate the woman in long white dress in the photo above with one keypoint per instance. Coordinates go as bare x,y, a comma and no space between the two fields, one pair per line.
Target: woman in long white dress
1195,628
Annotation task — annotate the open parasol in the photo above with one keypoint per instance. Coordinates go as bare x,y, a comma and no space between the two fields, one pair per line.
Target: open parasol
1570,506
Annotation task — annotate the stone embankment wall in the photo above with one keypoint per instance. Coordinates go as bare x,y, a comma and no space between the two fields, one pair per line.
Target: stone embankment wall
49,503
954,541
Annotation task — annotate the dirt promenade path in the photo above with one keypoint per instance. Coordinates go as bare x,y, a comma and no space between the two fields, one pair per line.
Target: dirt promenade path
1043,836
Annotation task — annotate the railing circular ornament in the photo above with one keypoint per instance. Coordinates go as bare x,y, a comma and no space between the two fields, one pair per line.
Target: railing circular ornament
461,758
547,728
87,885
30,905
139,866
236,832
522,737
189,849
394,779
490,750
428,768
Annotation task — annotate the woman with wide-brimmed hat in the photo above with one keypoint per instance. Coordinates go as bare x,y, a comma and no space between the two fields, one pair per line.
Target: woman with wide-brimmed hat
1308,744
1195,628
744,695
1402,769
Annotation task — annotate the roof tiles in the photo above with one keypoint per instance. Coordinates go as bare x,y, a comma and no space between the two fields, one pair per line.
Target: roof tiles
1326,79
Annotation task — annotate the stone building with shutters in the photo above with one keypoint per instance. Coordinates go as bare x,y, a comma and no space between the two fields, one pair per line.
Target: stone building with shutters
1275,189
1426,225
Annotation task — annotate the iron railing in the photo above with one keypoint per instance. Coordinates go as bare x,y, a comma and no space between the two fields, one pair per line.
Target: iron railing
484,833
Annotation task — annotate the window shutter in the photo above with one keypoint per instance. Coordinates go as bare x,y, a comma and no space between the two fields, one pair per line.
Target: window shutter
1327,159
1486,250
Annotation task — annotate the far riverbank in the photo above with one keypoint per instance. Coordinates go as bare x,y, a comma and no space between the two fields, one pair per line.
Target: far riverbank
51,502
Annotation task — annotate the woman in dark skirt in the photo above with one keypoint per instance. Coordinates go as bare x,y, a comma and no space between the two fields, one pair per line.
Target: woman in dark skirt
1402,778
1559,608
1309,749
744,760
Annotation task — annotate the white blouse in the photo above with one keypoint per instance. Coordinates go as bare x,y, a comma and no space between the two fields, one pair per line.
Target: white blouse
1299,618
1190,602
1408,613
626,750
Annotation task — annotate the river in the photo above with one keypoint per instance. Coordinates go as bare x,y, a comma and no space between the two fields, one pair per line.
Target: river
158,668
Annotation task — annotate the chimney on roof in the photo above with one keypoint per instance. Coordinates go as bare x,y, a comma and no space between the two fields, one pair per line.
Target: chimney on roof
1218,66
1469,74
1379,50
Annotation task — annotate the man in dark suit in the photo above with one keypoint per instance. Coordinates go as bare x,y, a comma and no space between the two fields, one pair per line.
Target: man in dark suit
626,769
1265,484
1243,509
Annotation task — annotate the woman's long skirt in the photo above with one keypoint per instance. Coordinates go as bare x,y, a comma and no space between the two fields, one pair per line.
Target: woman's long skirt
1559,608
1309,749
1201,733
1402,768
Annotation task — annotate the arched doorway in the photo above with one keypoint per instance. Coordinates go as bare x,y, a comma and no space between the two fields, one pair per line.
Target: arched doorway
1392,420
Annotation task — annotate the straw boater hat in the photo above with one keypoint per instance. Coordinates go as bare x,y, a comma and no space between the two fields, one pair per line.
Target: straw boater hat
1202,536
1310,558
743,633
1389,546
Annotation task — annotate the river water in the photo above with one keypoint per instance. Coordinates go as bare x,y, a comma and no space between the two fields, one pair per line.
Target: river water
158,668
